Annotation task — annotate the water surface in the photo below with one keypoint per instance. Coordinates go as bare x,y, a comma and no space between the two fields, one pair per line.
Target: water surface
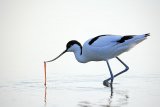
77,90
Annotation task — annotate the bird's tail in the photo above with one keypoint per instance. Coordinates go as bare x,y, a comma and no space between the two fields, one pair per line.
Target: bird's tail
132,41
139,38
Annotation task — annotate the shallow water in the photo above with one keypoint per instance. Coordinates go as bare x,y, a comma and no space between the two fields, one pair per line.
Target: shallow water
77,90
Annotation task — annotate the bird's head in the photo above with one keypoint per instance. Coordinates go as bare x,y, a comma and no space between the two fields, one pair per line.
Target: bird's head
70,47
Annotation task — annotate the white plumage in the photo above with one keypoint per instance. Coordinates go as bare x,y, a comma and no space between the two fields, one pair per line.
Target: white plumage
103,48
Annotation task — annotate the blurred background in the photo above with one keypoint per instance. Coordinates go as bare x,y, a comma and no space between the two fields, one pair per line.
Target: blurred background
32,31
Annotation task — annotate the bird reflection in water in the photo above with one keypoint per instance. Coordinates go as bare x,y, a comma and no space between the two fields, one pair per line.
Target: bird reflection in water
45,96
115,99
110,98
120,98
98,104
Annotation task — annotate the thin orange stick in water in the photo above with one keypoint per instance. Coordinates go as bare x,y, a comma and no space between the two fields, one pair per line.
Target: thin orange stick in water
45,73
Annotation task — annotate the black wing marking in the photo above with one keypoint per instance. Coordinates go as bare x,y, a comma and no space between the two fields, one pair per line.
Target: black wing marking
94,39
125,38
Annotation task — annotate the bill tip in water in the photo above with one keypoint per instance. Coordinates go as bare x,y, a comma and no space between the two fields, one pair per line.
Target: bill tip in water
44,73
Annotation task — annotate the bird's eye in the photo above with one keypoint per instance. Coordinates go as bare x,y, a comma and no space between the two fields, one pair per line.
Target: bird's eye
69,45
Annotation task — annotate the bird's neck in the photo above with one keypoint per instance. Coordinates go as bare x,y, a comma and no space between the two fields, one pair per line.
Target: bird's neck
79,55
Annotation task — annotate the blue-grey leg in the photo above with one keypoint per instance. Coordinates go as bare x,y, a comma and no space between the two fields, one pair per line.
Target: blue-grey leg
106,83
110,71
111,74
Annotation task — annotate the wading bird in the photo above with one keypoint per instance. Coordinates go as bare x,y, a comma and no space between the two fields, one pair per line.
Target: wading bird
103,48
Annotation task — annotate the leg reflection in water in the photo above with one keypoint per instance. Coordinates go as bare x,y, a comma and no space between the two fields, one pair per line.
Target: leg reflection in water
111,90
117,97
111,95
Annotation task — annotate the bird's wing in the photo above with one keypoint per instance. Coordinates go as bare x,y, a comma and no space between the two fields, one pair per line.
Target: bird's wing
103,40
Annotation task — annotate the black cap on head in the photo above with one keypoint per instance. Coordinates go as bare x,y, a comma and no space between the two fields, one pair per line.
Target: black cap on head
71,43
